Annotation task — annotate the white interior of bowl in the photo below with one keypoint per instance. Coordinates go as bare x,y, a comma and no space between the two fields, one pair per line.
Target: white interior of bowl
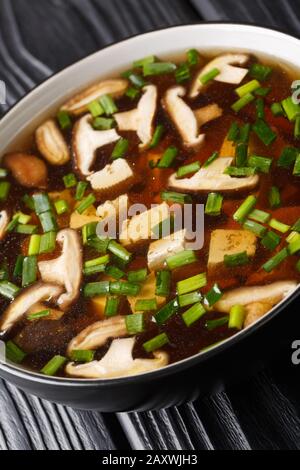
48,96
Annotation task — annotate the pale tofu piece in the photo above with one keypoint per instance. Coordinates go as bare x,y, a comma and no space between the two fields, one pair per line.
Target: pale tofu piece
229,242
147,292
160,250
114,177
139,227
117,208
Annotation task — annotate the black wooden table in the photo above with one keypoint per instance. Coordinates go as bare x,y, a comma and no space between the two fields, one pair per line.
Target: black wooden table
40,37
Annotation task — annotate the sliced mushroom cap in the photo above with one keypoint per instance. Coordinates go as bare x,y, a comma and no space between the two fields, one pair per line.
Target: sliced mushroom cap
79,103
4,220
51,143
118,362
183,117
97,334
160,250
66,270
29,170
86,141
228,73
208,113
116,177
270,294
141,118
34,294
255,311
213,178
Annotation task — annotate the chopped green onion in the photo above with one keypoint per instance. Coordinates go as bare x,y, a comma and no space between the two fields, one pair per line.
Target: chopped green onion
182,74
241,154
247,88
120,149
193,314
276,109
124,288
191,284
26,229
242,102
111,306
139,275
181,259
29,272
87,202
189,299
262,91
168,157
178,198
89,231
262,164
34,245
48,222
188,169
293,236
279,226
132,93
245,133
145,305
53,365
276,260
291,109
192,57
3,173
94,270
158,133
95,109
22,219
257,229
97,243
14,353
260,108
38,315
294,246
236,317
211,159
80,190
4,190
48,242
239,171
260,72
296,170
296,226
103,124
213,295
28,201
264,132
274,197
158,68
167,311
213,324
234,132
82,355
146,60
259,216
136,79
8,290
156,342
297,128
18,267
114,272
163,283
61,206
237,259
96,288
64,120
135,323
12,224
207,77
108,105
102,260
213,204
41,203
119,251
4,273
70,180
287,157
245,208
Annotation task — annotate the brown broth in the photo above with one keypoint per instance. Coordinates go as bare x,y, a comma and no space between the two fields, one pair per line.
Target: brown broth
45,338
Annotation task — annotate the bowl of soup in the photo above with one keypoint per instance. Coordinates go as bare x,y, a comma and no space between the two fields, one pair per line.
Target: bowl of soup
150,217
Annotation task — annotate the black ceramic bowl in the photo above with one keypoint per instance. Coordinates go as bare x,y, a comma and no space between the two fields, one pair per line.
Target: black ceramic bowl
235,357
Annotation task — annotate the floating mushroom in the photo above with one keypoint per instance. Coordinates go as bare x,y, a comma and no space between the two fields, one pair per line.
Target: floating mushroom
160,250
79,103
208,113
4,220
141,118
66,270
51,143
29,170
34,294
114,178
228,73
86,141
117,362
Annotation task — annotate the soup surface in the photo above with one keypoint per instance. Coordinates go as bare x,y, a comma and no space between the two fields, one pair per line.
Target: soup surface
209,140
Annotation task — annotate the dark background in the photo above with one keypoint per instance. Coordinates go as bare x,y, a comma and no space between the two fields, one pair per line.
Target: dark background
37,38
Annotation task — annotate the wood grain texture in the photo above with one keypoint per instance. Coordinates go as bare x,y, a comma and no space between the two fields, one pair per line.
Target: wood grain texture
37,39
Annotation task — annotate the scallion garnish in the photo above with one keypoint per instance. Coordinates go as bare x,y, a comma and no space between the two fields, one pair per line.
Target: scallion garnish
82,355
239,171
181,259
291,109
96,288
296,170
158,68
274,197
29,272
193,314
178,198
48,222
192,57
247,88
217,323
61,206
260,72
140,275
103,124
254,227
245,208
124,288
167,311
136,79
3,173
64,120
276,260
111,306
53,365
296,226
47,242
145,305
259,216
80,190
276,109
18,268
41,203
213,295
241,154
188,169
108,105
132,93
168,157
242,102
188,299
114,272
102,260
158,133
182,73
70,180
213,204
135,323
279,226
119,251
26,229
236,317
294,246
260,108
192,283
211,159
287,157
34,245
87,202
156,342
207,77
8,290
120,149
163,283
262,91
264,132
262,164
146,60
38,315
4,190
28,201
234,132
14,353
297,128
237,259
95,109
